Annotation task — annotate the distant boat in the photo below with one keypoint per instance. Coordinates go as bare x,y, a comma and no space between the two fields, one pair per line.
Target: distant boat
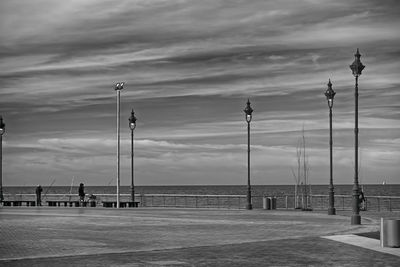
384,182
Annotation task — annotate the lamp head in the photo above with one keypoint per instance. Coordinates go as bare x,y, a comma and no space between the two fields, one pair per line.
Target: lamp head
357,67
119,86
330,94
132,121
2,126
248,111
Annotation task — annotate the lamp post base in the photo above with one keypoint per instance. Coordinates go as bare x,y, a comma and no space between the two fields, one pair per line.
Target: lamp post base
331,211
331,208
249,206
355,219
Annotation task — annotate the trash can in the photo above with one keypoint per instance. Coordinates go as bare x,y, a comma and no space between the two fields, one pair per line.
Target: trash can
273,203
266,203
390,233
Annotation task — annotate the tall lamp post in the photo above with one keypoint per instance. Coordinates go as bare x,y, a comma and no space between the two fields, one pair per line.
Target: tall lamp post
2,131
356,67
330,94
132,126
248,111
118,87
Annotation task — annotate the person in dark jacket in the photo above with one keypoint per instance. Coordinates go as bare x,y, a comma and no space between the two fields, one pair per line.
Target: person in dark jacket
361,200
39,195
81,192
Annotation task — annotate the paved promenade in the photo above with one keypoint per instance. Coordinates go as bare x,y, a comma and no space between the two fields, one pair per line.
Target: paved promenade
43,236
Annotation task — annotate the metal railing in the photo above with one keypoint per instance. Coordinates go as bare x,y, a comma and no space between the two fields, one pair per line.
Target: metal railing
317,202
193,201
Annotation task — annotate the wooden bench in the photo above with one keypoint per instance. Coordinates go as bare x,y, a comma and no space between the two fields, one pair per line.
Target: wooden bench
17,203
122,204
69,203
30,203
133,204
66,203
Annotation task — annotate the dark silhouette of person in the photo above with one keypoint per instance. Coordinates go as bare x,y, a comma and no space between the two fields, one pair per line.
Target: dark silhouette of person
39,195
362,200
81,192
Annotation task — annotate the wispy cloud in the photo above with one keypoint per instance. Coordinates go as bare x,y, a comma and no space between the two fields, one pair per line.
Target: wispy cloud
189,67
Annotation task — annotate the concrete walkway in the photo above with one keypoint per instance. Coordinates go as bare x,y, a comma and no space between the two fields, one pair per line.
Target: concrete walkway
44,236
364,242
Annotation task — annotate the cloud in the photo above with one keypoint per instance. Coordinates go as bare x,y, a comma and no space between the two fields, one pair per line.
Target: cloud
189,67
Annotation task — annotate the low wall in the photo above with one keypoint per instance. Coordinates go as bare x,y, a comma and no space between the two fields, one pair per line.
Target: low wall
316,202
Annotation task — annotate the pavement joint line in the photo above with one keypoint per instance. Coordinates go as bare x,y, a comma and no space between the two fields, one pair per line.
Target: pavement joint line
63,214
364,242
138,250
85,254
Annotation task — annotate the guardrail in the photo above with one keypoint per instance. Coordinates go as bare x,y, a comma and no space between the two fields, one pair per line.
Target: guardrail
193,201
317,202
372,203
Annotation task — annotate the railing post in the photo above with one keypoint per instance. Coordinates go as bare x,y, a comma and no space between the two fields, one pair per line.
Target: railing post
379,204
239,202
286,202
343,203
390,204
294,201
196,201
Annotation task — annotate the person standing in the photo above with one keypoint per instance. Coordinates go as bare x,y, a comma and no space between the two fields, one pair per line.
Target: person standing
362,200
81,193
39,195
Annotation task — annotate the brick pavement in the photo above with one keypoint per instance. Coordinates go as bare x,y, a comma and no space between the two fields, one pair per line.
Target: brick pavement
178,237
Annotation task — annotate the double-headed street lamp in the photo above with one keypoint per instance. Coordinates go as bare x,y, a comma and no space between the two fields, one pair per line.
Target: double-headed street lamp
132,126
2,131
330,94
118,87
248,111
356,67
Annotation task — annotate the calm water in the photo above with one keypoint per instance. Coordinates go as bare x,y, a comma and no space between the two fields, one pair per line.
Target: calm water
258,190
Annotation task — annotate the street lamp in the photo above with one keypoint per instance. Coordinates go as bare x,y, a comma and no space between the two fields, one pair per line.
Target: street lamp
356,67
330,94
118,87
132,126
2,131
248,110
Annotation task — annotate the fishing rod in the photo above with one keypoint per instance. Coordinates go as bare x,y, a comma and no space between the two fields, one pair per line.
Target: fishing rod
110,181
70,190
49,188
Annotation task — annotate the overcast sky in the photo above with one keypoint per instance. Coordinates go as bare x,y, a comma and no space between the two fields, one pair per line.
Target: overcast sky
189,67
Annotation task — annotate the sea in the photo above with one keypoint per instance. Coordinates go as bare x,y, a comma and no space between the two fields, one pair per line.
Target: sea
257,190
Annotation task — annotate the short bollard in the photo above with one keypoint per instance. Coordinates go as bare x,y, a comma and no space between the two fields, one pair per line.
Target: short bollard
390,233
